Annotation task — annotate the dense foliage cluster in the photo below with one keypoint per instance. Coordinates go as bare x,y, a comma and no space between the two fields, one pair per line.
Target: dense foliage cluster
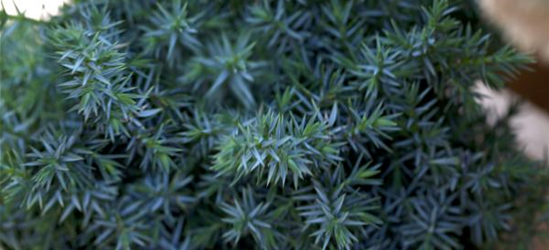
258,124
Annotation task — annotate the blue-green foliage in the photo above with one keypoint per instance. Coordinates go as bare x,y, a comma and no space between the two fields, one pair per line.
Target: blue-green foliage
256,125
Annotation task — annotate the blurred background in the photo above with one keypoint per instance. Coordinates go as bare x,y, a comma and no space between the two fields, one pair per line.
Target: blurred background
524,24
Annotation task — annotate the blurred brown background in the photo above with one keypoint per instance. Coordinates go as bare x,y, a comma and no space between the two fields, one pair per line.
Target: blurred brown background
525,24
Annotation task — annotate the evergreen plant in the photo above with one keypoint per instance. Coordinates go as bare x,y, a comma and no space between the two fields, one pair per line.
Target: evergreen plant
289,124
